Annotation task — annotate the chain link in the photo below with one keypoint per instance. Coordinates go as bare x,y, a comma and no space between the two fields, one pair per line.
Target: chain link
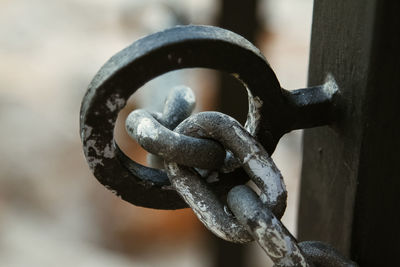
172,146
203,141
265,227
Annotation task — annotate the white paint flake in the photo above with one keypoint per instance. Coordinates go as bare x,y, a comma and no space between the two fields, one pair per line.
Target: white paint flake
270,176
115,102
109,152
189,96
254,113
86,132
146,129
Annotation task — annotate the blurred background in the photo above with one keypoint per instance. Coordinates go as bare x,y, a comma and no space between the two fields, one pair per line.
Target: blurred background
53,212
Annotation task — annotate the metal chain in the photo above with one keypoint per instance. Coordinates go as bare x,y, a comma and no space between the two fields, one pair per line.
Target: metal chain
201,142
273,111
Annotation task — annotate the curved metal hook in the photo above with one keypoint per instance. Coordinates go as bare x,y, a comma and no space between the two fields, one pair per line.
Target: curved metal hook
124,73
278,110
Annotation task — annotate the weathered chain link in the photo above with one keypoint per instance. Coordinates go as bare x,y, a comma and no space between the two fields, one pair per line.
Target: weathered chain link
265,227
246,149
201,141
155,135
177,107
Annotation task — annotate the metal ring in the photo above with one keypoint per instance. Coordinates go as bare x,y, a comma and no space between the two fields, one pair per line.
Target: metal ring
176,48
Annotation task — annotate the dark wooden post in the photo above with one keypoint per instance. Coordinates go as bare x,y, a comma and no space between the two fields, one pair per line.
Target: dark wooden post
350,180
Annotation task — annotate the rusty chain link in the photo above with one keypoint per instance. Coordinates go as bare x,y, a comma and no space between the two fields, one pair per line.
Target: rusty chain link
200,142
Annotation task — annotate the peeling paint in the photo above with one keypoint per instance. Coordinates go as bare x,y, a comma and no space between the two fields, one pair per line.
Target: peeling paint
145,129
91,144
254,113
109,152
189,97
330,86
93,162
273,185
115,102
86,132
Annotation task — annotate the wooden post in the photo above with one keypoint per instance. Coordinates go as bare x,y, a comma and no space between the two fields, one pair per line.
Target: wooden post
350,179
